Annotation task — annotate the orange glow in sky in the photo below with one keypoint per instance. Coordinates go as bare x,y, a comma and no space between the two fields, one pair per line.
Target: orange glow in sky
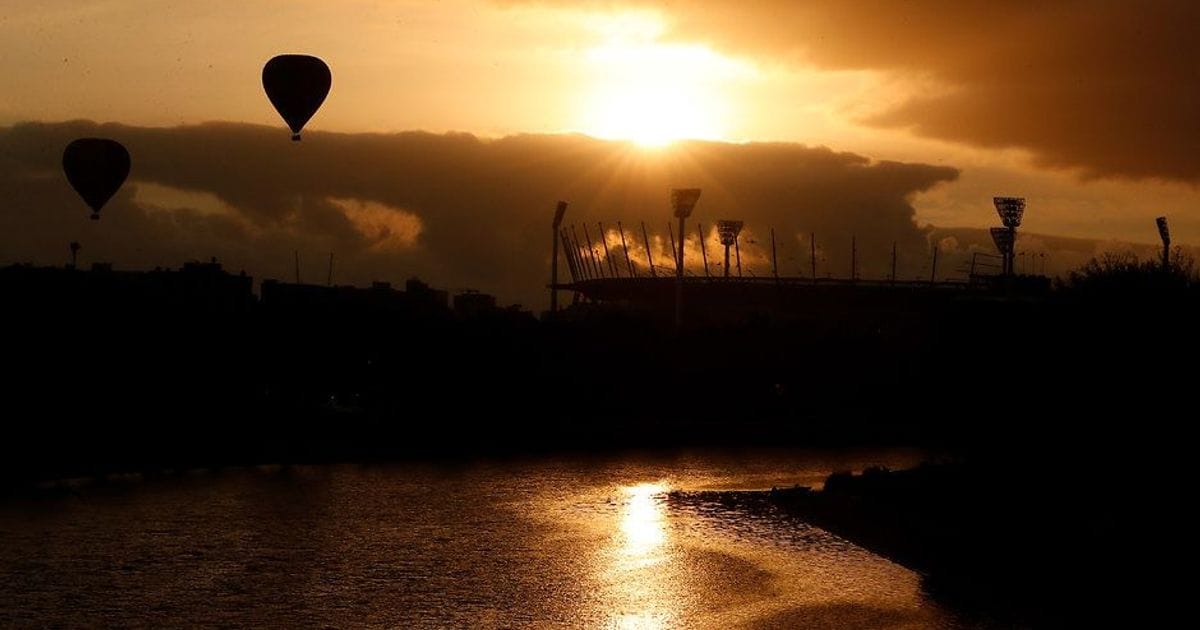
653,92
819,74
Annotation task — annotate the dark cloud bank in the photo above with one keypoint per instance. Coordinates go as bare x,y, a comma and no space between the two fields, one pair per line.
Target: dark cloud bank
1110,88
483,207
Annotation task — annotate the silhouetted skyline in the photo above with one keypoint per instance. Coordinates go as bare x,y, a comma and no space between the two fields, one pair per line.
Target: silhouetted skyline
1090,118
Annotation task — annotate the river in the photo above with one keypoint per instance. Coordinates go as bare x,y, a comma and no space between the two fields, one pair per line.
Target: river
541,543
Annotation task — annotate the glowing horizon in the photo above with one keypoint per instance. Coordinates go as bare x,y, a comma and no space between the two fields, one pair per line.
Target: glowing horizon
825,75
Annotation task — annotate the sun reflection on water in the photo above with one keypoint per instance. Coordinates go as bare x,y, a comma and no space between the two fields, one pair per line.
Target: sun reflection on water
640,589
643,524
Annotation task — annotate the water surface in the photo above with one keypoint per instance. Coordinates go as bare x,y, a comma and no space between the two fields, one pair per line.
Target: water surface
543,543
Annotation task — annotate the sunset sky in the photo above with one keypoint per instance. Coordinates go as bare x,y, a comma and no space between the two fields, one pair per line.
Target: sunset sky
1090,109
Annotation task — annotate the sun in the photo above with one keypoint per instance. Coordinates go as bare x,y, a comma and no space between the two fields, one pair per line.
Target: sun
654,93
652,116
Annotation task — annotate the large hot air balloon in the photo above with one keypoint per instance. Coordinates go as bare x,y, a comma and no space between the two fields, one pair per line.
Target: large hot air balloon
296,85
96,168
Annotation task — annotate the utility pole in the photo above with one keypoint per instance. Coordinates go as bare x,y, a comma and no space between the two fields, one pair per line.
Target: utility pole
933,269
774,258
853,259
703,247
812,241
893,263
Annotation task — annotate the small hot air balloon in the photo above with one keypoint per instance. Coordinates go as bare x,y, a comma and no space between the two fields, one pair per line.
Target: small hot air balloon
296,85
96,168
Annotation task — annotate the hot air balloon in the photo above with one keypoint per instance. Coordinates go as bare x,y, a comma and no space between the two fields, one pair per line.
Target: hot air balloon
296,85
96,168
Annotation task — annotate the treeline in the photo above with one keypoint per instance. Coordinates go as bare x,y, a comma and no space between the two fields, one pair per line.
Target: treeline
1098,360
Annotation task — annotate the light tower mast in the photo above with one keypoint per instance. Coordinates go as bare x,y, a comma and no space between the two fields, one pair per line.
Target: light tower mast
683,201
1010,209
728,232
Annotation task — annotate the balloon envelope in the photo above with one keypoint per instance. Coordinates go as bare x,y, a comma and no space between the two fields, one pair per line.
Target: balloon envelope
296,85
96,168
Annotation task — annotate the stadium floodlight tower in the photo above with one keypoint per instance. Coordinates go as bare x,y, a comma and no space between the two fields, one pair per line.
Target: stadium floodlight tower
683,201
559,211
1165,234
1010,209
728,231
1003,238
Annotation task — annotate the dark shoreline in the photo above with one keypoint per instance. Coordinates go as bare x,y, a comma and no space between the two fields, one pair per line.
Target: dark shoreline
381,447
1028,548
103,383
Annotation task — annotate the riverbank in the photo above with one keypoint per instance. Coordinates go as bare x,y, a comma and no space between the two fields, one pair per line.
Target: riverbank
1035,546
135,390
339,438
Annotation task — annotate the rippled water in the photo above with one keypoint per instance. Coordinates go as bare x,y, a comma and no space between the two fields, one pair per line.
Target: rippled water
534,543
